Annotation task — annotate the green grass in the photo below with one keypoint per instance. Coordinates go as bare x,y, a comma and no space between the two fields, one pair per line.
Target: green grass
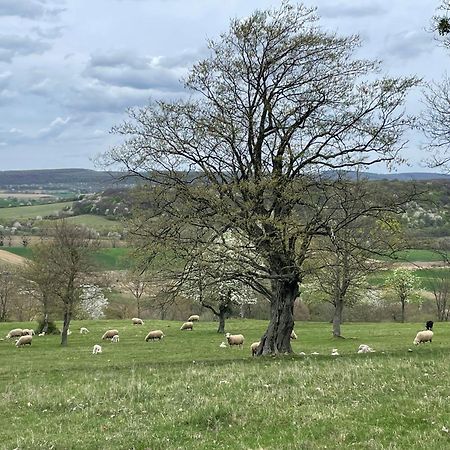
30,212
99,223
26,252
113,258
186,392
412,255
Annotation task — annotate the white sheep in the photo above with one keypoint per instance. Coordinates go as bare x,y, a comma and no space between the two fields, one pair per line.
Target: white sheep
223,345
137,321
24,340
68,332
293,335
364,348
115,338
194,318
153,335
27,332
235,339
334,352
16,332
96,349
84,330
254,347
423,336
187,326
42,334
109,334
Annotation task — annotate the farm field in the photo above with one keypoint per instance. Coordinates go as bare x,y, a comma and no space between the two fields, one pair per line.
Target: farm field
31,212
187,392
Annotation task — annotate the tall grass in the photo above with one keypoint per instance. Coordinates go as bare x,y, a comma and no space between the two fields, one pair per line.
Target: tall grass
186,392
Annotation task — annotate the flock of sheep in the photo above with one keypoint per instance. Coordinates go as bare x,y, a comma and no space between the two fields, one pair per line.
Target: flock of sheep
25,337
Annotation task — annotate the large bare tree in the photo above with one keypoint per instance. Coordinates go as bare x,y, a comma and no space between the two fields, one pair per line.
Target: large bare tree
276,104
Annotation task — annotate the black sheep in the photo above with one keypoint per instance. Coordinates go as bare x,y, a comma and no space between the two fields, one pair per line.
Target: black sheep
429,325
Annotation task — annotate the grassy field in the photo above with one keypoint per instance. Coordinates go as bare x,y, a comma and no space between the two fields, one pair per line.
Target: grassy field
412,255
98,223
31,212
186,392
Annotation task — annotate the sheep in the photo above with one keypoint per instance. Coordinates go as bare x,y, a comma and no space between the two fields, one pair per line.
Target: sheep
235,339
194,318
84,330
24,340
96,349
115,338
153,335
334,352
223,345
41,334
187,326
68,332
429,325
16,332
27,332
137,321
109,334
423,336
293,335
364,348
254,347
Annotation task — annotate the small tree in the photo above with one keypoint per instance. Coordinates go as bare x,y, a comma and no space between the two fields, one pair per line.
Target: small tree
66,256
7,290
404,284
93,301
137,283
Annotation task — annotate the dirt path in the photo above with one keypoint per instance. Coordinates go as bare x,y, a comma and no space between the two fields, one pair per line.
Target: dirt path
11,258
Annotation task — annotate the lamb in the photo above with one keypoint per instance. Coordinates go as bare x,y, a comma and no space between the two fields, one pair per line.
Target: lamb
96,349
334,352
423,336
194,318
223,345
41,334
115,338
429,325
293,335
109,334
364,348
153,335
16,332
137,321
187,326
235,339
254,347
24,340
84,330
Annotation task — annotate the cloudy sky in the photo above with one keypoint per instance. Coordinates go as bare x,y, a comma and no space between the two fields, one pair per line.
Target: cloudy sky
69,69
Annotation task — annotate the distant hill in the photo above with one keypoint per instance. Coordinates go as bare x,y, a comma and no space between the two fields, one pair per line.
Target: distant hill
77,179
405,176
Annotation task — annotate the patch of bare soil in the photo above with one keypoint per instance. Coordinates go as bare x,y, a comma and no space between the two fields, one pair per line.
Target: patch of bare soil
11,258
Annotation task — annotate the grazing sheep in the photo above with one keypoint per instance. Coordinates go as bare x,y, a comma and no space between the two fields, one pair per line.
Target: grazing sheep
109,334
223,345
254,347
194,318
293,335
334,352
24,340
423,336
96,349
16,332
187,326
153,335
84,330
27,332
235,339
137,321
115,338
429,325
364,348
42,334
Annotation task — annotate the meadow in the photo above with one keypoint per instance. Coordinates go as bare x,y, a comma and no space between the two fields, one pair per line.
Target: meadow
31,212
186,392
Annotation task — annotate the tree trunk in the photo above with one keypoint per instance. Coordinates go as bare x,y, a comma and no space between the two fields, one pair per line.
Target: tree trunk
403,311
277,338
45,308
67,317
221,317
138,308
337,317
